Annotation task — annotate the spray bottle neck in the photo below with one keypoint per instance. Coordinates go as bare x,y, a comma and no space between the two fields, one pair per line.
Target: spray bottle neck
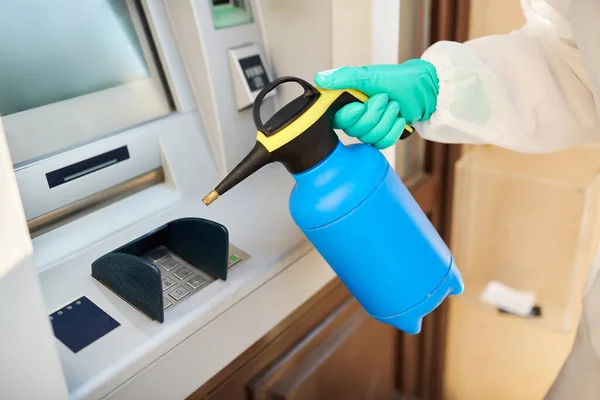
308,149
324,170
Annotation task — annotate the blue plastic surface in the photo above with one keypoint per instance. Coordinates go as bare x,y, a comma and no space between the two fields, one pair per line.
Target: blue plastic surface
361,218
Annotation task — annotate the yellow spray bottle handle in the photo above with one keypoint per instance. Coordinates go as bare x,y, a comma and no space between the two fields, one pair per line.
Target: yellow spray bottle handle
317,101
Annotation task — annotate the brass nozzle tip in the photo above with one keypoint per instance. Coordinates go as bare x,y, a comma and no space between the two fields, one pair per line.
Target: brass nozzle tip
209,198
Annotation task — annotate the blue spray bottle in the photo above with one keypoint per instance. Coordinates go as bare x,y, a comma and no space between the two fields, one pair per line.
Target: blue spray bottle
353,208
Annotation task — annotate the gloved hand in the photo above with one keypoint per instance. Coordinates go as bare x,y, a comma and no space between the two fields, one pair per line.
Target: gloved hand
399,95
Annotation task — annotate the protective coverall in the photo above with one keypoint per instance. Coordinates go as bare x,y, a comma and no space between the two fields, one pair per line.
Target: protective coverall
533,90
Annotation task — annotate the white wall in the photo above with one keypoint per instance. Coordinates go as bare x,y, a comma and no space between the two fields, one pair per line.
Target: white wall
385,44
363,33
15,244
351,23
29,366
297,35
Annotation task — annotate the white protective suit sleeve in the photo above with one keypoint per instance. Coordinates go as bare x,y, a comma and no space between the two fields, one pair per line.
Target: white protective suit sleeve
527,91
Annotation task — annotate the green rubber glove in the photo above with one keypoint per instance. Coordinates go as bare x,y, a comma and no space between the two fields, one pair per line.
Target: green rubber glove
399,95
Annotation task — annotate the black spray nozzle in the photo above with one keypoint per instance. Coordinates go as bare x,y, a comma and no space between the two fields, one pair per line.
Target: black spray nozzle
255,160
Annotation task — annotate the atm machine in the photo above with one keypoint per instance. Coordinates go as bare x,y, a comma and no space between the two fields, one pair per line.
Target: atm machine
117,282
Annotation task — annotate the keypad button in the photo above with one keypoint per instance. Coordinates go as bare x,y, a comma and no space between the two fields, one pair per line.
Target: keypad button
166,303
168,263
167,283
179,293
196,282
183,273
233,259
156,255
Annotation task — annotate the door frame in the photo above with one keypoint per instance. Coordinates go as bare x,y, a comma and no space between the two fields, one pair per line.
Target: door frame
422,357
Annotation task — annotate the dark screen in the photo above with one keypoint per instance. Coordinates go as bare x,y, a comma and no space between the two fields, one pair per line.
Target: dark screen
254,72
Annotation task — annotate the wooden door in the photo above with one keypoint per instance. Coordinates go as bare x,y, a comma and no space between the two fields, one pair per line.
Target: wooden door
347,356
